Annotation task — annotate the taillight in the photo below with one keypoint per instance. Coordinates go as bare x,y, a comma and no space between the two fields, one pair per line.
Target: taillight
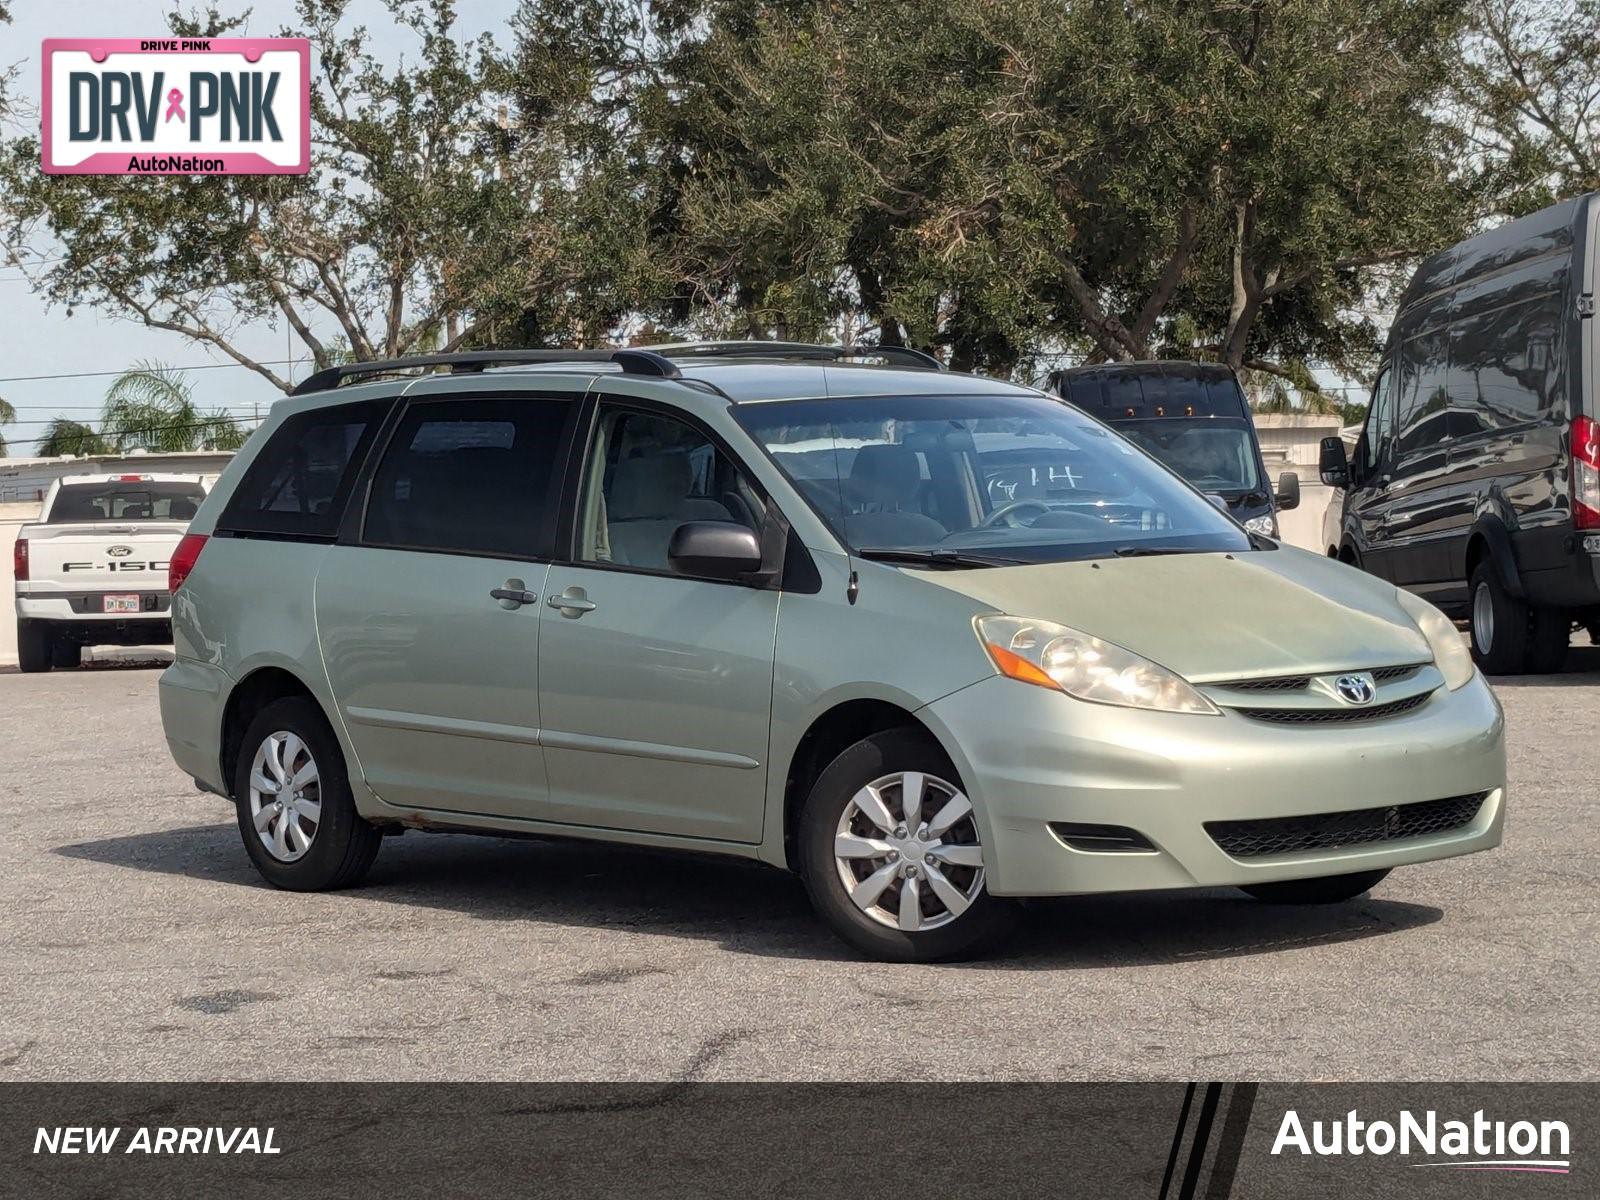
1585,473
19,559
183,559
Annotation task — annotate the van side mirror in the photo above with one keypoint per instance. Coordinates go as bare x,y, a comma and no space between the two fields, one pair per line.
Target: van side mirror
714,550
1333,463
1288,491
1220,502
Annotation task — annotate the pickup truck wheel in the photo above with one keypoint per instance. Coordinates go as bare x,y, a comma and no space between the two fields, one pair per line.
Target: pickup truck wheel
891,855
1500,624
1549,635
65,654
296,813
33,646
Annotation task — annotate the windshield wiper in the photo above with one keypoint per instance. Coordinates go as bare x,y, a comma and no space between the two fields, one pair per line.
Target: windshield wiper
1152,551
954,559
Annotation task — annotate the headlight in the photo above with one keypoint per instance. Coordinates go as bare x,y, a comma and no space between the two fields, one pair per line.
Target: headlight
1053,656
1450,653
1266,526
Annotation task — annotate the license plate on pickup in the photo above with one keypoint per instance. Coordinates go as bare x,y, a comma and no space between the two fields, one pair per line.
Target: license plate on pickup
120,604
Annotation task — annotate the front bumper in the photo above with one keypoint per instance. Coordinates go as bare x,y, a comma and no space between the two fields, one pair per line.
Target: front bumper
1029,757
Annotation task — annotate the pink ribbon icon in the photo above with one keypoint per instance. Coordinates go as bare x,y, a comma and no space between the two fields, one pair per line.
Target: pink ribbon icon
175,105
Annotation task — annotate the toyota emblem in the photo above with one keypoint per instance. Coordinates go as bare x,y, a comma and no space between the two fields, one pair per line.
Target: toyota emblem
1355,689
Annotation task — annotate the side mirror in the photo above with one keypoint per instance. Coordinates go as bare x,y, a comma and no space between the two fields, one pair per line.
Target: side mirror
1288,491
1333,463
714,550
1220,502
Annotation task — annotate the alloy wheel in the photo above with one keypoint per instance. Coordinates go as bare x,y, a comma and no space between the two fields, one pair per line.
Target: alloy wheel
1483,618
285,795
908,853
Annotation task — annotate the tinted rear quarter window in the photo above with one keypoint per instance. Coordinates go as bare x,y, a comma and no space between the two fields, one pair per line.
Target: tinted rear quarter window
300,482
470,476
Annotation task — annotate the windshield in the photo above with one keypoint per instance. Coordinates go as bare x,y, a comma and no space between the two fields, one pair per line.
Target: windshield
1014,477
1216,454
143,500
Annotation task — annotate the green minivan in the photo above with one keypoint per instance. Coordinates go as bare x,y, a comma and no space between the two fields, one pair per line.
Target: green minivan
765,599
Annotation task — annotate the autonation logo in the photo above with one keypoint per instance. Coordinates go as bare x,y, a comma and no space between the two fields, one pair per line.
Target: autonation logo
1480,1144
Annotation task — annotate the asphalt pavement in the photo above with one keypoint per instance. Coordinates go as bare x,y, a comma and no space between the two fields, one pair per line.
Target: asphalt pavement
139,943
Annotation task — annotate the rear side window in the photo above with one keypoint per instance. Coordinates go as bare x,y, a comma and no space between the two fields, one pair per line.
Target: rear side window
472,476
141,500
298,485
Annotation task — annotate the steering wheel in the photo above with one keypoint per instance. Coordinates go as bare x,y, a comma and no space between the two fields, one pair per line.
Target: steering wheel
1003,514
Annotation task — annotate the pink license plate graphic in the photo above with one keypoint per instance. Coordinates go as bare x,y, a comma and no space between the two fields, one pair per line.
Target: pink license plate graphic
173,106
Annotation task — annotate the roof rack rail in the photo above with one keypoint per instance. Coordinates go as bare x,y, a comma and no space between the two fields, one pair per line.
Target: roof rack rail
753,348
632,362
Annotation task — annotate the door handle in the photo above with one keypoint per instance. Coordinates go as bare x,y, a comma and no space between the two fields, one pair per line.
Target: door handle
514,594
573,602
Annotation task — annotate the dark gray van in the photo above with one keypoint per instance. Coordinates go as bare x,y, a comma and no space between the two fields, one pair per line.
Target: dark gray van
1476,482
1194,418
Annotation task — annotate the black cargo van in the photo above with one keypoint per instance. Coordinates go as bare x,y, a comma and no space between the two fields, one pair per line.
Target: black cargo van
1193,417
1476,482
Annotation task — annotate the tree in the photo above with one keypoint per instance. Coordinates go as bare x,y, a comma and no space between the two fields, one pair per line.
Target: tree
8,414
148,407
415,228
1220,179
1529,99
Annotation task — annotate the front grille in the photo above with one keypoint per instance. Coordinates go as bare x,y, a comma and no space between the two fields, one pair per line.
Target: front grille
1283,683
1333,716
1331,831
1296,683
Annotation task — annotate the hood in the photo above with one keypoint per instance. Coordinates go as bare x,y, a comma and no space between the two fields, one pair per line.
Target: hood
1214,616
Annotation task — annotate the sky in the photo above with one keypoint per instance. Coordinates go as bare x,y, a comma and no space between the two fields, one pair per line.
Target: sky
38,340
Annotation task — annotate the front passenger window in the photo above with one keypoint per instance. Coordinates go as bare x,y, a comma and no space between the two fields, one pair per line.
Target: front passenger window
647,474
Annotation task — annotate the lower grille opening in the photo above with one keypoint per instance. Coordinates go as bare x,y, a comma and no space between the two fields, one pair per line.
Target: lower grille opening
1101,839
1334,716
1332,831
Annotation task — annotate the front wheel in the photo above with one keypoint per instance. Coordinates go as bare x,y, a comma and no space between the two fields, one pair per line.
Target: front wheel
1325,889
296,813
892,857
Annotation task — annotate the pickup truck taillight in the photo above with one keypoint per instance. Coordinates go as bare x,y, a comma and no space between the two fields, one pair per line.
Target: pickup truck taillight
19,559
1585,473
183,559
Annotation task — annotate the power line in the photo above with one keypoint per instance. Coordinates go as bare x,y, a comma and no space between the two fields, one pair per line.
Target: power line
271,362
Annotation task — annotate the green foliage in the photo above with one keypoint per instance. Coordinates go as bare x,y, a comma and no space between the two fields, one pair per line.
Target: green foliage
148,407
1526,95
8,414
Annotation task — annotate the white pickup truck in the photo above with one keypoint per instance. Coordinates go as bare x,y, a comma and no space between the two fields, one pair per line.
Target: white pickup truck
93,569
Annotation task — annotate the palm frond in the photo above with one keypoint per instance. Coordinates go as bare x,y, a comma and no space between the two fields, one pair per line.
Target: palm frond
66,436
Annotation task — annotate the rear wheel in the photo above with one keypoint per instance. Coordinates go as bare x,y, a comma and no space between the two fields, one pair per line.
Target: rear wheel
33,646
65,654
1325,889
892,856
296,814
1501,624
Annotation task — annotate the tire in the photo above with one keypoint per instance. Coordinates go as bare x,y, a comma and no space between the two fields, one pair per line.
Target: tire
64,654
1549,635
886,760
33,646
335,846
1325,889
1501,624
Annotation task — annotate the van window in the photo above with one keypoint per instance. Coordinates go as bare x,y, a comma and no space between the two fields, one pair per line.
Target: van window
1424,394
648,474
470,476
299,483
1380,418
